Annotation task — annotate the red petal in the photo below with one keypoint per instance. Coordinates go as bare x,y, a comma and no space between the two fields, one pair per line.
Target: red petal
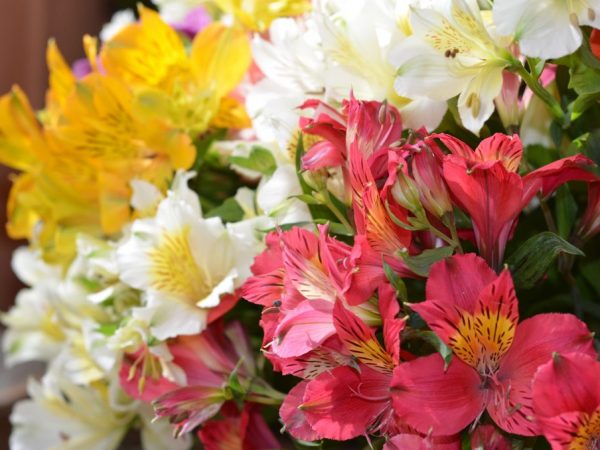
264,289
360,340
535,341
555,390
430,399
392,326
492,196
459,280
487,437
551,176
416,442
343,404
501,147
293,417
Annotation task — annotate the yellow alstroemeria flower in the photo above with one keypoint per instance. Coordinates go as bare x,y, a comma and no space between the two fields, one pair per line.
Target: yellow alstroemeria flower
193,90
257,15
77,164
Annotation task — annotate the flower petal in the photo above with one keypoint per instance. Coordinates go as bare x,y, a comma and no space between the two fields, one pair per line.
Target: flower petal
536,339
448,400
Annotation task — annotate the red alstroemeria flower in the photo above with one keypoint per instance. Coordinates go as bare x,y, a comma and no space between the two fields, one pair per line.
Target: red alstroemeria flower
245,430
485,184
487,437
475,312
347,402
566,401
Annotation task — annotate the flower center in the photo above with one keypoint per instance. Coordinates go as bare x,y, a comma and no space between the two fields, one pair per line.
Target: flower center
482,339
588,434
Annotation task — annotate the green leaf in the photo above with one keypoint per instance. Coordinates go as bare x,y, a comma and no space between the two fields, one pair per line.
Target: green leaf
420,264
260,160
395,281
308,199
229,211
566,211
533,258
433,339
585,80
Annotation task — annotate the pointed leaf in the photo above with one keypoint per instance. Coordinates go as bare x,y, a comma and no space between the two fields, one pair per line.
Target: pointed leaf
260,160
421,263
533,258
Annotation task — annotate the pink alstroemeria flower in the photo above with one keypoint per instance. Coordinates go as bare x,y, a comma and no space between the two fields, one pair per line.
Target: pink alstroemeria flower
206,361
475,312
347,402
566,401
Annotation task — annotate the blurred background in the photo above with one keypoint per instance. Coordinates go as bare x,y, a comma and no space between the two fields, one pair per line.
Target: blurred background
25,27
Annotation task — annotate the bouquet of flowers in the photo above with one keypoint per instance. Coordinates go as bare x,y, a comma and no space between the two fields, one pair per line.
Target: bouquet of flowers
341,224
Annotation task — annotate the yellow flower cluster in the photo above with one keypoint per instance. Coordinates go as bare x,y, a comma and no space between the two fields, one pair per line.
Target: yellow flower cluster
133,117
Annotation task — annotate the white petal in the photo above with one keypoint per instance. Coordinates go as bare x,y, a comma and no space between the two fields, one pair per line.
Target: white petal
423,112
476,102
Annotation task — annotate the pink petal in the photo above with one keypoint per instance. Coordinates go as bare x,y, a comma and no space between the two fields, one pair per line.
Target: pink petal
264,289
447,401
554,389
458,280
150,389
293,417
563,430
343,404
416,442
487,437
304,328
322,154
536,339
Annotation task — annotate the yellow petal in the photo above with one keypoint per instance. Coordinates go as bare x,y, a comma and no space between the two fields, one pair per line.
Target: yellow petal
220,58
257,15
61,79
147,53
231,114
21,139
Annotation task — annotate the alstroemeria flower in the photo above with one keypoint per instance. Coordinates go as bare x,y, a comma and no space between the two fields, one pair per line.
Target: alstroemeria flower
546,28
298,280
205,361
245,430
566,401
452,52
589,224
485,184
347,402
475,312
184,263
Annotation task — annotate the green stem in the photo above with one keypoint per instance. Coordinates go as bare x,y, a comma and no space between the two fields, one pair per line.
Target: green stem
336,212
543,94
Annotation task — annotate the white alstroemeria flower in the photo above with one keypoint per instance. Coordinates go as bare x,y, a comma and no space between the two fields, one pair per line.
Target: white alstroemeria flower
61,415
359,37
34,331
546,28
452,52
294,67
118,21
183,263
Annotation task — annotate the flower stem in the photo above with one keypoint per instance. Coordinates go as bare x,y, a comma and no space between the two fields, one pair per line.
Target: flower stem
338,214
539,90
